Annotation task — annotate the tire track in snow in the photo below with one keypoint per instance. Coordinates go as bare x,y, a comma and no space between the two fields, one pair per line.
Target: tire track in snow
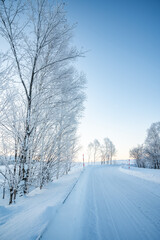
126,208
107,205
142,205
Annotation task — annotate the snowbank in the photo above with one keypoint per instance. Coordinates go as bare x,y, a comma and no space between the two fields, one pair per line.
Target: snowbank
28,218
152,175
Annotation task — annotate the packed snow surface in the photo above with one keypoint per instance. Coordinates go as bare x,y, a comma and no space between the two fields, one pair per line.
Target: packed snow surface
105,203
108,204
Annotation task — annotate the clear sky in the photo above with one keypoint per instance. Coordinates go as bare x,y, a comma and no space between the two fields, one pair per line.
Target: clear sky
122,68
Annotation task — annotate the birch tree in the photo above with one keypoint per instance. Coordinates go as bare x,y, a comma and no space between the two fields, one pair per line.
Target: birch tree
90,152
96,148
138,154
152,146
109,150
47,92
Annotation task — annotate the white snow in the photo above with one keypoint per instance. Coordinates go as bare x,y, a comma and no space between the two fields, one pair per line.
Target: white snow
27,219
152,175
106,203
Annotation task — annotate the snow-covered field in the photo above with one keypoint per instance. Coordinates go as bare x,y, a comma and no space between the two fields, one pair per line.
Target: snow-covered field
107,202
152,175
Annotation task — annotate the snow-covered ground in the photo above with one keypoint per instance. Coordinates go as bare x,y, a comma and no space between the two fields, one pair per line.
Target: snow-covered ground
27,219
107,202
152,175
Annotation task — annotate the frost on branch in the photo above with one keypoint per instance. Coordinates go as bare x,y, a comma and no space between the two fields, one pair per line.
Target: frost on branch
42,96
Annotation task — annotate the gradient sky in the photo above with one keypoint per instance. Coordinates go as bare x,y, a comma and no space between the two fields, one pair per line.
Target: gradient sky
122,69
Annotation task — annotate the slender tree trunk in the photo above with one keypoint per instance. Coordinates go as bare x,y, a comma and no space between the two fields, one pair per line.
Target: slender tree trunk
11,195
25,154
41,163
15,194
4,191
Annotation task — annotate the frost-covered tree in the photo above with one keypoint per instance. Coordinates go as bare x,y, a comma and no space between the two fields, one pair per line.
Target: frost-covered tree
43,99
105,152
138,154
109,150
152,145
148,155
90,152
96,148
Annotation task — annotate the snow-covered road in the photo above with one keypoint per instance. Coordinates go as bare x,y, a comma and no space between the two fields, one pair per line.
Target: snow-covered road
108,204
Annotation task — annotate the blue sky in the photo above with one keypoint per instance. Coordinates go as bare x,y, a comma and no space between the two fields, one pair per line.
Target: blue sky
122,68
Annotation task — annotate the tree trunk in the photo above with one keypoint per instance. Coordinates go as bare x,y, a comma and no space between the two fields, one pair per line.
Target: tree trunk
4,191
15,194
11,195
25,150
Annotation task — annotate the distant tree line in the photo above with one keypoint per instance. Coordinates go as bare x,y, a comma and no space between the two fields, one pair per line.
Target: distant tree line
103,153
148,154
41,94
